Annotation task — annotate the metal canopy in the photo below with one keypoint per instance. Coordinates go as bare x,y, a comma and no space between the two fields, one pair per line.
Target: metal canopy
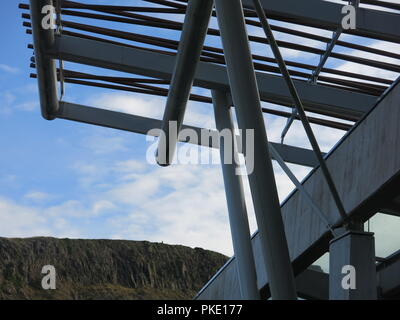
323,98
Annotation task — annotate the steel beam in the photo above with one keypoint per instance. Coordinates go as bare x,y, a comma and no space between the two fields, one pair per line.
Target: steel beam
43,40
246,99
238,219
142,125
197,18
323,14
317,98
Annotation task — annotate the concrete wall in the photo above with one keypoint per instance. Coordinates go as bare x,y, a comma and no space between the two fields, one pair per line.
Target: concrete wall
363,163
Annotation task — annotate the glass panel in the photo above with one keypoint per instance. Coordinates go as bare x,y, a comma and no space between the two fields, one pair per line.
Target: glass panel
322,264
387,236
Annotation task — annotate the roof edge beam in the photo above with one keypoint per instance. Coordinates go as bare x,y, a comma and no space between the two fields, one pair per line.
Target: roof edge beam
150,126
316,98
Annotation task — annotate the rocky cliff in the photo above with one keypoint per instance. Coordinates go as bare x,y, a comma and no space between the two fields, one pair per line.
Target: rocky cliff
103,269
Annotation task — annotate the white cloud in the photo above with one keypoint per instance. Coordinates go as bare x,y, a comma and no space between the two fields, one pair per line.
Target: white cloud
183,204
131,169
138,191
104,142
153,107
130,199
179,204
18,221
26,221
128,103
102,206
28,106
38,196
367,70
92,208
88,173
7,100
16,100
8,69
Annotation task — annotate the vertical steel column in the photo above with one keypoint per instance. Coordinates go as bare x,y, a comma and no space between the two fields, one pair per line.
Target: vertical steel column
246,100
46,67
238,220
352,267
198,14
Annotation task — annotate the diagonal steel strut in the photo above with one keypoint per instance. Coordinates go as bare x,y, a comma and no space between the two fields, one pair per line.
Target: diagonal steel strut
246,99
193,35
299,106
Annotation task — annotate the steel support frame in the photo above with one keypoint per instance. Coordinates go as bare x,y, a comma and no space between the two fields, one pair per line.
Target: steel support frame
197,17
238,220
49,102
246,99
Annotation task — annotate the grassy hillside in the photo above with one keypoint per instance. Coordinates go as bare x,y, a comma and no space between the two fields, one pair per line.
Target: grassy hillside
104,269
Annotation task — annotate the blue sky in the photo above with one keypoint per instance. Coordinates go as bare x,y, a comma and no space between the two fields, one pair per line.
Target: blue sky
64,179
